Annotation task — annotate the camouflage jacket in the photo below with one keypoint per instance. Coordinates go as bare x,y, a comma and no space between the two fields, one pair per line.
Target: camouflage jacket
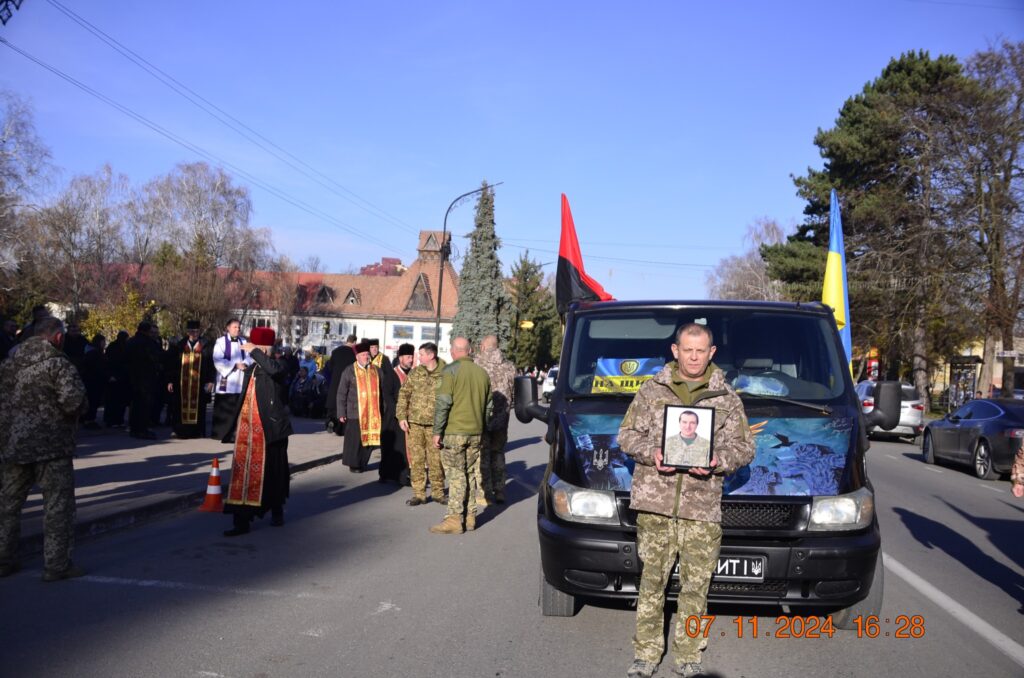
42,399
680,494
417,397
503,376
463,402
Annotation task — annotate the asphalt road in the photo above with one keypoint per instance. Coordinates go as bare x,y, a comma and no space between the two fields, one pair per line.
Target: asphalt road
354,585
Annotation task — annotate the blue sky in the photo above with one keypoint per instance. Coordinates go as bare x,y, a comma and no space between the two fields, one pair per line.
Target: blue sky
671,126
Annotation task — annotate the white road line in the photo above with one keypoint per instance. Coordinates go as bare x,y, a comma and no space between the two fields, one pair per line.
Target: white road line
994,636
934,470
990,487
891,456
186,586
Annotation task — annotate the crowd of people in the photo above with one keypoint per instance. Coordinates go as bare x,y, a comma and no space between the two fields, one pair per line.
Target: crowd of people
432,423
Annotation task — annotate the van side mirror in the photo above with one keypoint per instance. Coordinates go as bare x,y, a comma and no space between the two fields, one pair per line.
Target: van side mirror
886,414
527,407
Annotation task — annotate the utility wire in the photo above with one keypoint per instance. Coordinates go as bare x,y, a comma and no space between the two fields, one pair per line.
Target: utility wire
199,150
234,123
661,246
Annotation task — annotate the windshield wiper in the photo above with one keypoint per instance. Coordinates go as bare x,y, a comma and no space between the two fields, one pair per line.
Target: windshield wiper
824,409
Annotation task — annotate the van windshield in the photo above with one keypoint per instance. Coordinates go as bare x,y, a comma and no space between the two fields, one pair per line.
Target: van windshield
762,352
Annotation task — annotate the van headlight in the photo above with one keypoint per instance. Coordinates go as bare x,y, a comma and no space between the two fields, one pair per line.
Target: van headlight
852,511
581,505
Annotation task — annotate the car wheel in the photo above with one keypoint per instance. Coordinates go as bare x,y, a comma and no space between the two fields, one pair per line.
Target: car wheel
983,461
927,452
555,603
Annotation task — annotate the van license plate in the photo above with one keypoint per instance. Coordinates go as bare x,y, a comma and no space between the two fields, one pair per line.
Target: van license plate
736,568
740,568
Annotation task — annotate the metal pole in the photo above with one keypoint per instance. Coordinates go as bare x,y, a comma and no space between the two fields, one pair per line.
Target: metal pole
445,250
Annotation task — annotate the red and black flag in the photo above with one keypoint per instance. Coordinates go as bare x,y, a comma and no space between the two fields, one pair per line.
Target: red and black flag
571,282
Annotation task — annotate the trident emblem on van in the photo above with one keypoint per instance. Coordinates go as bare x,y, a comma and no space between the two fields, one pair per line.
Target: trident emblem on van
629,367
755,568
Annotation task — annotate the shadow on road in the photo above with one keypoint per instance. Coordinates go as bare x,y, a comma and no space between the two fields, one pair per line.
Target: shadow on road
1002,533
522,484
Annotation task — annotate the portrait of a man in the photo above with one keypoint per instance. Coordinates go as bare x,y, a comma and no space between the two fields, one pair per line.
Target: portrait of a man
687,441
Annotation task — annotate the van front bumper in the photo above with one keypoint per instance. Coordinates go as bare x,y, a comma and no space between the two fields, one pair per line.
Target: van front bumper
815,571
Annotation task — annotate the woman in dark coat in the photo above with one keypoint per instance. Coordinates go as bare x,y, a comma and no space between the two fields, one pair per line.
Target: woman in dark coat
365,405
259,470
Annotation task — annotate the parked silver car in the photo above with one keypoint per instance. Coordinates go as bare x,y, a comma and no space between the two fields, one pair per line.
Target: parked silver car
911,411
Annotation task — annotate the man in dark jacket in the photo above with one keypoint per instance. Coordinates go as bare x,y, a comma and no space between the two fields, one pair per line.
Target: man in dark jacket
37,440
341,357
145,358
118,389
259,470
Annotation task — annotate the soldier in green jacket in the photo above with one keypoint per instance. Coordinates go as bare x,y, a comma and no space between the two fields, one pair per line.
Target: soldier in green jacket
679,512
461,411
43,398
416,417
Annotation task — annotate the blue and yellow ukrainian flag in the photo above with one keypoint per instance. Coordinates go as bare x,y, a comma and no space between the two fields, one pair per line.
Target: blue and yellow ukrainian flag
835,292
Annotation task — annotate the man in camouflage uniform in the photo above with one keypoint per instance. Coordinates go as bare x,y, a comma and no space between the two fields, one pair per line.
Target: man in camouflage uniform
461,411
415,415
679,513
687,448
502,373
44,397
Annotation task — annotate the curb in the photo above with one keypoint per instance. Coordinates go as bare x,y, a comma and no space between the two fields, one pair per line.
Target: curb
147,513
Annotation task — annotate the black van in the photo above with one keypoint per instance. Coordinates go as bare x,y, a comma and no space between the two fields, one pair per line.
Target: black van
799,527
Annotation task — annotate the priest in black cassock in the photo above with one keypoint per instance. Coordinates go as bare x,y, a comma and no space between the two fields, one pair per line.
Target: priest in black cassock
190,377
364,405
259,469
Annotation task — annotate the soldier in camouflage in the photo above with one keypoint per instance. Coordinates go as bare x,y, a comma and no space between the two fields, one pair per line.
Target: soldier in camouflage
461,411
415,415
44,396
502,373
679,513
687,448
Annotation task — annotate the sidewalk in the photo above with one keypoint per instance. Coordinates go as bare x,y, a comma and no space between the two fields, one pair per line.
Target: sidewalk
121,482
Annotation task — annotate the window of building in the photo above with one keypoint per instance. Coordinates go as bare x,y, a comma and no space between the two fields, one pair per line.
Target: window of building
353,297
325,295
402,331
420,299
428,333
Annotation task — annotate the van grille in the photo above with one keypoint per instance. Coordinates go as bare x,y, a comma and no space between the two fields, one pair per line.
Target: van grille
757,515
738,515
770,587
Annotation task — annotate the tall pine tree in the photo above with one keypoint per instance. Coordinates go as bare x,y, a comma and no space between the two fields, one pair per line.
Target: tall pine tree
538,343
483,301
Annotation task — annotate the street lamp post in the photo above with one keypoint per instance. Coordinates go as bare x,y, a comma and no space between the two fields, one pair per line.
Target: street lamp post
445,250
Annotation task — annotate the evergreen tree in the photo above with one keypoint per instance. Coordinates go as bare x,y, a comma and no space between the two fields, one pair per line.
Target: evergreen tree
483,301
533,306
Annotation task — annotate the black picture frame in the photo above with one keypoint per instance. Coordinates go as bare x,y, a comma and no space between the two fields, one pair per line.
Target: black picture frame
674,451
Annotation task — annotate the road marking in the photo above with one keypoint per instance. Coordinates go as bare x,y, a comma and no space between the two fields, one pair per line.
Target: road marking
890,455
186,586
989,487
999,640
934,470
313,633
386,606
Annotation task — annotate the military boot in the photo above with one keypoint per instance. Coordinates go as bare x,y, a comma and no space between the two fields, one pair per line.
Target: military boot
470,522
450,525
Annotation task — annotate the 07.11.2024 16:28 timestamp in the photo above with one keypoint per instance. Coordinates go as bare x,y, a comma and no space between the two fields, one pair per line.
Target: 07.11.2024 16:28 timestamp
901,626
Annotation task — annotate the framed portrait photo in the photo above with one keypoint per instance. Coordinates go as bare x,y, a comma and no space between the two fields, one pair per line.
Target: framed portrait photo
687,441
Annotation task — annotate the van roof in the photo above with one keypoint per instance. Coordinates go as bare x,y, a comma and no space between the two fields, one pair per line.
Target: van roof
814,307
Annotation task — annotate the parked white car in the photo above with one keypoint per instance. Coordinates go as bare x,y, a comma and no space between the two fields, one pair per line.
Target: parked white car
548,387
911,411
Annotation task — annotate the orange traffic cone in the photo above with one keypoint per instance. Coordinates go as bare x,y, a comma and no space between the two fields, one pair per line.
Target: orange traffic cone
213,501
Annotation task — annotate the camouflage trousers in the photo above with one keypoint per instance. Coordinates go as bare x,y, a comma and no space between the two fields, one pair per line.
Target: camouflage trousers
660,540
424,458
56,479
461,458
491,477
